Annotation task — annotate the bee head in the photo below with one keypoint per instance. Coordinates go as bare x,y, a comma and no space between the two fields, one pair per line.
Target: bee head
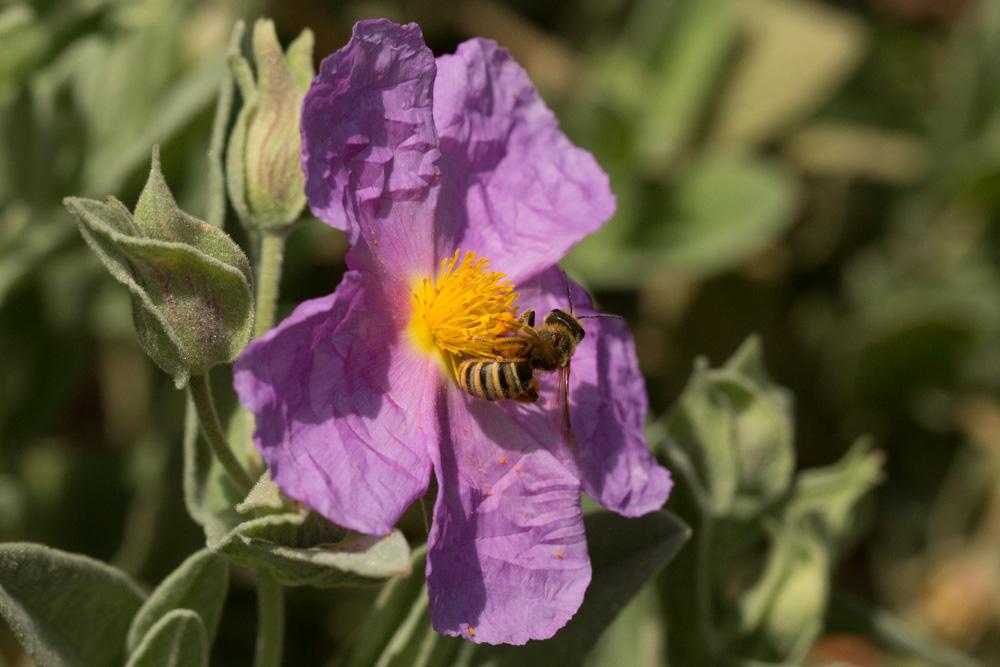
561,318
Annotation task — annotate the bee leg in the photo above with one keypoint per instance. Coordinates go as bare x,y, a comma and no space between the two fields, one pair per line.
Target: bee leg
510,348
530,395
527,317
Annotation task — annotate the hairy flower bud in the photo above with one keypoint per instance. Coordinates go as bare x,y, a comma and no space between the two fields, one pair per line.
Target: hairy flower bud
191,286
264,178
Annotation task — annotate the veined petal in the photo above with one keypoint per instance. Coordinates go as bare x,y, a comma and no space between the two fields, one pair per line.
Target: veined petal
344,410
507,556
514,188
608,406
369,150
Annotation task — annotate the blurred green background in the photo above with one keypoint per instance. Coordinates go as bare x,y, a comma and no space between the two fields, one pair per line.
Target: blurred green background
826,174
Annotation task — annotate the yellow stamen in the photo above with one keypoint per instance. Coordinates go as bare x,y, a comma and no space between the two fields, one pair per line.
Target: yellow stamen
463,311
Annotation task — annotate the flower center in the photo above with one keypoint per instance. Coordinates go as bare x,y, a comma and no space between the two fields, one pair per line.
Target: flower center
464,310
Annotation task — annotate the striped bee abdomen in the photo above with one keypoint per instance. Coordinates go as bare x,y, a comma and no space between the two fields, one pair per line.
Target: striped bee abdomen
498,380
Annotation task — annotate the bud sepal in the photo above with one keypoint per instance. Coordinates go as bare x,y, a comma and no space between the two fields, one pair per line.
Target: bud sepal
263,173
190,283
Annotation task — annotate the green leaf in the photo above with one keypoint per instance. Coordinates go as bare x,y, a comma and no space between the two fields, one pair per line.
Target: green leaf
827,498
65,609
636,638
841,149
265,496
210,496
782,614
139,89
405,636
304,549
970,86
28,238
25,41
722,210
695,42
624,554
796,53
732,429
395,600
176,640
398,632
190,283
198,585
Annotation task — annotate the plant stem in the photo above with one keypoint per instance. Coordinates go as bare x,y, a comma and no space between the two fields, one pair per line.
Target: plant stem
270,620
272,251
270,596
703,586
216,177
201,394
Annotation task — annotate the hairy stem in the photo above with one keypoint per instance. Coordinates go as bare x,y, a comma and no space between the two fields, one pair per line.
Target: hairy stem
216,177
271,254
270,596
201,394
270,620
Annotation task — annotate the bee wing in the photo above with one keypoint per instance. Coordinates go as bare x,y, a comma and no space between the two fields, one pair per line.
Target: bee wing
567,421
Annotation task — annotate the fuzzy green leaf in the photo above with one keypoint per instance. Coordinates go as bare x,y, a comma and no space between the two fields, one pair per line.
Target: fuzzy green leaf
722,210
304,549
398,632
176,640
198,585
827,498
65,609
795,54
696,40
781,615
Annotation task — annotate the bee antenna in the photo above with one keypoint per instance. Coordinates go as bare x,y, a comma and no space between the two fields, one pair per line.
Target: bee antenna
569,292
607,315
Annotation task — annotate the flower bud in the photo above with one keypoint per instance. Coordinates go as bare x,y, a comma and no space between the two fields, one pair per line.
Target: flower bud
191,286
265,181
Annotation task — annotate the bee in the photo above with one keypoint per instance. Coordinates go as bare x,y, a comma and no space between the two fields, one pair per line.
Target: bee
548,348
509,378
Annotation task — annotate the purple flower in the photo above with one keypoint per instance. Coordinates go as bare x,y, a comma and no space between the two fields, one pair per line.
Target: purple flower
433,167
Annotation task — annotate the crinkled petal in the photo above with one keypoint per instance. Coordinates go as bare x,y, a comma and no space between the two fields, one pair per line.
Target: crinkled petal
344,410
514,188
369,150
507,559
608,406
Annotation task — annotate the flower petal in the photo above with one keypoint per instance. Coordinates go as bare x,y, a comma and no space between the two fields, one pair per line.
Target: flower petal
344,412
608,406
507,559
369,150
515,189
